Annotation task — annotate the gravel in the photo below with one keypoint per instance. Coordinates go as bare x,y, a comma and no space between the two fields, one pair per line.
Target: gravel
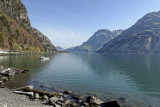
10,99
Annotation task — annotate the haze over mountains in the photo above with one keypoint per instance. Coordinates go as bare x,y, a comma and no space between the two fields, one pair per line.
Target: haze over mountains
96,41
142,37
59,48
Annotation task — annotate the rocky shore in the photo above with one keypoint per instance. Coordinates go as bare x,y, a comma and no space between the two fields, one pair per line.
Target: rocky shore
31,97
9,99
7,73
65,99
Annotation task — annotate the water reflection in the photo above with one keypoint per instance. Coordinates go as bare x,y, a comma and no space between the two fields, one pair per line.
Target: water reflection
143,70
109,75
30,62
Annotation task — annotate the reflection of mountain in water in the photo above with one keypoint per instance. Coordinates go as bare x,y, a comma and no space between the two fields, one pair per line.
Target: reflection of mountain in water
143,70
24,61
30,62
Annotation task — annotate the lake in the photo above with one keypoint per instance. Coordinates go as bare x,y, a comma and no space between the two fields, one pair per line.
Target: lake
136,77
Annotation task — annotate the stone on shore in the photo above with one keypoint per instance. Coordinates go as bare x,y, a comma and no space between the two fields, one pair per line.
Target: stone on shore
67,101
25,71
24,93
45,98
86,104
77,97
1,83
18,71
8,72
74,105
93,100
30,87
60,98
36,96
67,92
5,79
111,104
53,100
56,105
62,103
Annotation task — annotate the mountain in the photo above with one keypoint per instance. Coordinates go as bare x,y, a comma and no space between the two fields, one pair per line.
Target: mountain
59,48
16,32
142,37
96,41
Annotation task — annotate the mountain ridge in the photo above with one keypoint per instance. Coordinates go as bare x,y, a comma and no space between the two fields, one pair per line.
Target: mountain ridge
142,37
96,41
16,11
59,48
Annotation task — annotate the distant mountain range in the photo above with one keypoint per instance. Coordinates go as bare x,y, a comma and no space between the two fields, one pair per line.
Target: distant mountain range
16,33
59,48
96,41
142,37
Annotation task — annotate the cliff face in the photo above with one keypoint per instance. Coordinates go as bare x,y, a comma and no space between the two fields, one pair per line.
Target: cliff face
14,37
15,10
142,37
96,41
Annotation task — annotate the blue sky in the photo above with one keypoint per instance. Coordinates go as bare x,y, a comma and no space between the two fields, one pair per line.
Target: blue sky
69,23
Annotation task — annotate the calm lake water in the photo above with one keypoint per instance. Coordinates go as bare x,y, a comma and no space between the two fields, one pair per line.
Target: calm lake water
136,77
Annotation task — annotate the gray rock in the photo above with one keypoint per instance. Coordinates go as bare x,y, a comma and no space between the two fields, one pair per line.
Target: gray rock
25,71
62,103
67,92
30,87
18,71
4,106
93,100
61,94
45,102
8,72
73,105
36,96
79,101
56,105
111,104
86,104
67,101
61,98
53,100
5,79
24,93
77,97
65,96
45,98
1,83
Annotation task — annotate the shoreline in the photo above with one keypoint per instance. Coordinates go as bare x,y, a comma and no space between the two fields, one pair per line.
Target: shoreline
9,99
56,99
64,96
11,52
